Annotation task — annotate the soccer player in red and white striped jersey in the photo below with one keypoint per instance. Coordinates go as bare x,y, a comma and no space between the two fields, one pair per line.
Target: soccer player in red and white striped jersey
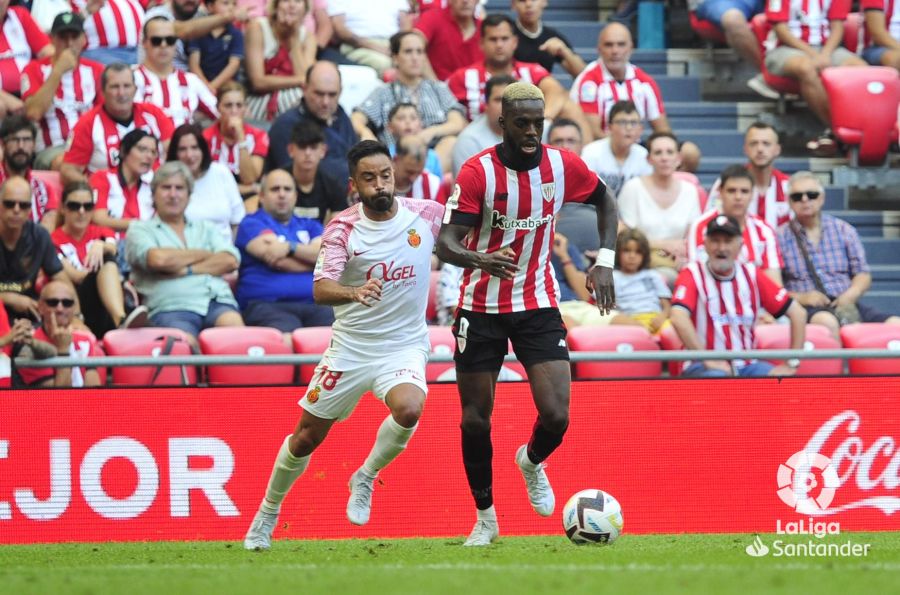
499,227
94,144
498,43
111,24
57,90
177,92
759,247
717,302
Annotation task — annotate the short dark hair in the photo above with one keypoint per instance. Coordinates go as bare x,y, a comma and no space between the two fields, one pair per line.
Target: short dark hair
363,149
306,133
501,80
626,106
73,187
402,105
735,171
760,125
634,235
396,40
153,20
13,124
129,141
495,19
562,123
412,146
114,67
659,135
186,130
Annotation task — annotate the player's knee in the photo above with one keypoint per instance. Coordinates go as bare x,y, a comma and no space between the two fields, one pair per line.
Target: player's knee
474,423
303,444
556,421
408,414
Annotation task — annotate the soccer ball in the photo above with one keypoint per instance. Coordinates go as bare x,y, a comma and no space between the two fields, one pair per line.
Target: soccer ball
592,516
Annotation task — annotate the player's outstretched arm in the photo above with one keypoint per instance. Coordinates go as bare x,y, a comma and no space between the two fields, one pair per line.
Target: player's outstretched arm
327,292
600,278
450,248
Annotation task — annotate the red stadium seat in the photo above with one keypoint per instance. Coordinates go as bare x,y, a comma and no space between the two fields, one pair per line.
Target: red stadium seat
784,85
622,339
872,336
150,341
310,340
255,341
706,30
670,341
778,336
869,131
854,31
431,310
444,343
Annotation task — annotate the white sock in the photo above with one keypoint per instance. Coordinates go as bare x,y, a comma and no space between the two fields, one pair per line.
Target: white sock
390,441
488,514
285,472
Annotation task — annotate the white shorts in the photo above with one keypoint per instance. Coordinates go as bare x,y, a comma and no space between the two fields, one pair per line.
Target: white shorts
334,393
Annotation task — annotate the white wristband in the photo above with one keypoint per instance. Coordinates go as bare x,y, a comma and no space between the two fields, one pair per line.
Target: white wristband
606,258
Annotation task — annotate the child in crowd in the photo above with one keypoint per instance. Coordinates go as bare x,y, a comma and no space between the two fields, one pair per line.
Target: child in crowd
216,57
642,296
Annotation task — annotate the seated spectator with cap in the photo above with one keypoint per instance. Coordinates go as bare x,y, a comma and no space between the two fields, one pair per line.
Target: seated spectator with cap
22,41
278,254
26,251
825,266
177,264
441,116
56,307
88,255
18,136
319,195
717,303
58,89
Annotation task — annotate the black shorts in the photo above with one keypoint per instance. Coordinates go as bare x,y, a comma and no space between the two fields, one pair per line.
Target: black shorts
866,313
482,340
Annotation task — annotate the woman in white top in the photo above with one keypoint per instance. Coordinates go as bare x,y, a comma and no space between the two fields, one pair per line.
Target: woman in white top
661,205
278,53
215,197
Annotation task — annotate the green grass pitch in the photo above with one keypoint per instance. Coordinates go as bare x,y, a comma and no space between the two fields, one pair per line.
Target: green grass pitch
652,564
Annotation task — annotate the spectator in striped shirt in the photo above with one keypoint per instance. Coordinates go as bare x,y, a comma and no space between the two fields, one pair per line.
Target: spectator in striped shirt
442,118
716,304
59,88
113,29
18,135
837,256
410,176
21,41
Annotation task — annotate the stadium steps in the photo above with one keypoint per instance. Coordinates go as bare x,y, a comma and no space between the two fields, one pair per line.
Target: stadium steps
886,278
703,115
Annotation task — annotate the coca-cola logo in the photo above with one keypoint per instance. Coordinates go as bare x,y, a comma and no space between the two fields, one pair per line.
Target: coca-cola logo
390,272
872,467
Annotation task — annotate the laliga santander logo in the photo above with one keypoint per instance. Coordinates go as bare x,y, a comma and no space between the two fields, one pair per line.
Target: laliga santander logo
799,477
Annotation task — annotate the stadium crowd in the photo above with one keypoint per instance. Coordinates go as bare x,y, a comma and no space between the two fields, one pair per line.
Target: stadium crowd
175,164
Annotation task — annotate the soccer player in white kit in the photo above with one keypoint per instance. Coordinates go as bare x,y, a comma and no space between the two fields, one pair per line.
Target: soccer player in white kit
374,268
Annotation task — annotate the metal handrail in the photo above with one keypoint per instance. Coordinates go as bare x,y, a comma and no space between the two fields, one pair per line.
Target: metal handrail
575,356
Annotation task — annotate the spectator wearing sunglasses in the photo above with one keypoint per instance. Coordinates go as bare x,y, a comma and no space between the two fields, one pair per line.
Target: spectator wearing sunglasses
26,250
88,255
18,135
840,275
57,309
161,83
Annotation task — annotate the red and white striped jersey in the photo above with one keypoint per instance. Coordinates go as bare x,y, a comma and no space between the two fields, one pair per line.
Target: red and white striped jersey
75,250
808,20
117,24
428,187
891,10
21,39
43,197
78,91
724,310
229,155
397,251
773,206
596,90
94,143
122,202
760,246
516,209
179,95
467,84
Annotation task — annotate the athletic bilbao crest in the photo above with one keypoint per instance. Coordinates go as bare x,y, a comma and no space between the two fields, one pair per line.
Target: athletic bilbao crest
548,191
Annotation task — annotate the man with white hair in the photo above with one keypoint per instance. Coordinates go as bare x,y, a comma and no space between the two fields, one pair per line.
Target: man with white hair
825,266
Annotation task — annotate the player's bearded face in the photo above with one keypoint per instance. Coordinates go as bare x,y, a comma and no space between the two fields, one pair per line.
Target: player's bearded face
374,181
523,126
